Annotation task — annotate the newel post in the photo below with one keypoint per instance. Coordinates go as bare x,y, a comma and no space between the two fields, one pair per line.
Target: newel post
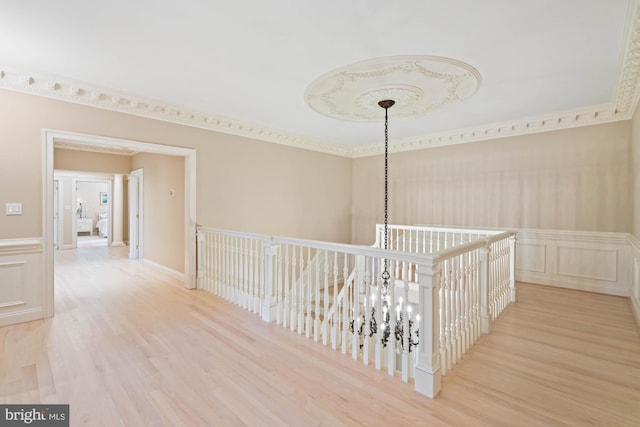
485,314
269,300
427,372
512,266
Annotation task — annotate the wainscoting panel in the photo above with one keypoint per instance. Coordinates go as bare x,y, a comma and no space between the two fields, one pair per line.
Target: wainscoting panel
13,283
531,257
588,261
597,264
21,280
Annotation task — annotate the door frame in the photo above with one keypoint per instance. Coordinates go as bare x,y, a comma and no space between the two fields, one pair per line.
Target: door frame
50,136
136,225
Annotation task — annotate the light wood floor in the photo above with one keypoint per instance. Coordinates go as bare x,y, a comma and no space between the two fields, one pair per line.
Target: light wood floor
130,346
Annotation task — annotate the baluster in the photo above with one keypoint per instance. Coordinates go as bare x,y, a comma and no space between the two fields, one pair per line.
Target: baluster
325,301
366,314
336,313
237,265
379,317
316,288
442,303
345,305
301,288
279,302
248,282
252,285
256,279
287,288
240,264
309,293
391,344
230,258
204,254
215,266
406,332
357,287
232,265
223,265
294,291
261,280
447,315
466,310
459,306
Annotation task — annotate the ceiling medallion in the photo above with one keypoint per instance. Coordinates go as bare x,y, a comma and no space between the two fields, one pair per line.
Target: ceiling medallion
418,84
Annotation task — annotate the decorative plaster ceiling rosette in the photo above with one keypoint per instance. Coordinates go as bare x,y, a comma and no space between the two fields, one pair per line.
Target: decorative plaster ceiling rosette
418,85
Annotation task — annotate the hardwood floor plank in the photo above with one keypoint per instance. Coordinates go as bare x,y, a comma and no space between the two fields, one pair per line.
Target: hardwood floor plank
130,346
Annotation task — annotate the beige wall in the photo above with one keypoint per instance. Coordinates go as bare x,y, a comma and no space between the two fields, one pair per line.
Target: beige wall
243,184
163,234
86,161
635,168
574,179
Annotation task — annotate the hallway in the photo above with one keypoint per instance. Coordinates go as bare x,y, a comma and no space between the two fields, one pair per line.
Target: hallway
129,345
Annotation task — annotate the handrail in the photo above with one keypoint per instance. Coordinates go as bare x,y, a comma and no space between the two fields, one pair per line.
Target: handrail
466,247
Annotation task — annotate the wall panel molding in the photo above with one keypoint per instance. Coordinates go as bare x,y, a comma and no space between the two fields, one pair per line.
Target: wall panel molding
20,246
21,278
588,261
13,282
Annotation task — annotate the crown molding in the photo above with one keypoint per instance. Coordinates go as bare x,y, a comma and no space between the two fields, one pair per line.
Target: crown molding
624,102
597,114
93,96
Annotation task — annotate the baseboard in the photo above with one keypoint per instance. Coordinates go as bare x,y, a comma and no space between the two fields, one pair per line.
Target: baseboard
169,271
21,316
118,244
575,284
65,247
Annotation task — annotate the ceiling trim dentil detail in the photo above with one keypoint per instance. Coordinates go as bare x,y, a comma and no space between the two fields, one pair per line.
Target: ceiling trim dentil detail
624,102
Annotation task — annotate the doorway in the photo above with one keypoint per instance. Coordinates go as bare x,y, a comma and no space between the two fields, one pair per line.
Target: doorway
97,142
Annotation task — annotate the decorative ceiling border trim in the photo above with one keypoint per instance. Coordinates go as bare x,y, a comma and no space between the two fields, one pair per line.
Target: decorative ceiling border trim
598,114
627,88
624,103
93,96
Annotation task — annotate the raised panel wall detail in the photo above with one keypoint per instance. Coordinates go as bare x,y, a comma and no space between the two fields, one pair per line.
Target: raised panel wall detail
531,257
13,276
21,280
587,263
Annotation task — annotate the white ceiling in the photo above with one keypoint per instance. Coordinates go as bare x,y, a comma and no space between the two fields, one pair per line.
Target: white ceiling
251,61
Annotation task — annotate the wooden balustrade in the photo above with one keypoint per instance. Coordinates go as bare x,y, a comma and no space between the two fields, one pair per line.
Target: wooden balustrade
446,287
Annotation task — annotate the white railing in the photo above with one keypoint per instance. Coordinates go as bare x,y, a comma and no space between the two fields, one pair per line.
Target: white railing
436,306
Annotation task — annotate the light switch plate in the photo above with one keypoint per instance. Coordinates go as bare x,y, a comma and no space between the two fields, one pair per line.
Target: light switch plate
13,208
